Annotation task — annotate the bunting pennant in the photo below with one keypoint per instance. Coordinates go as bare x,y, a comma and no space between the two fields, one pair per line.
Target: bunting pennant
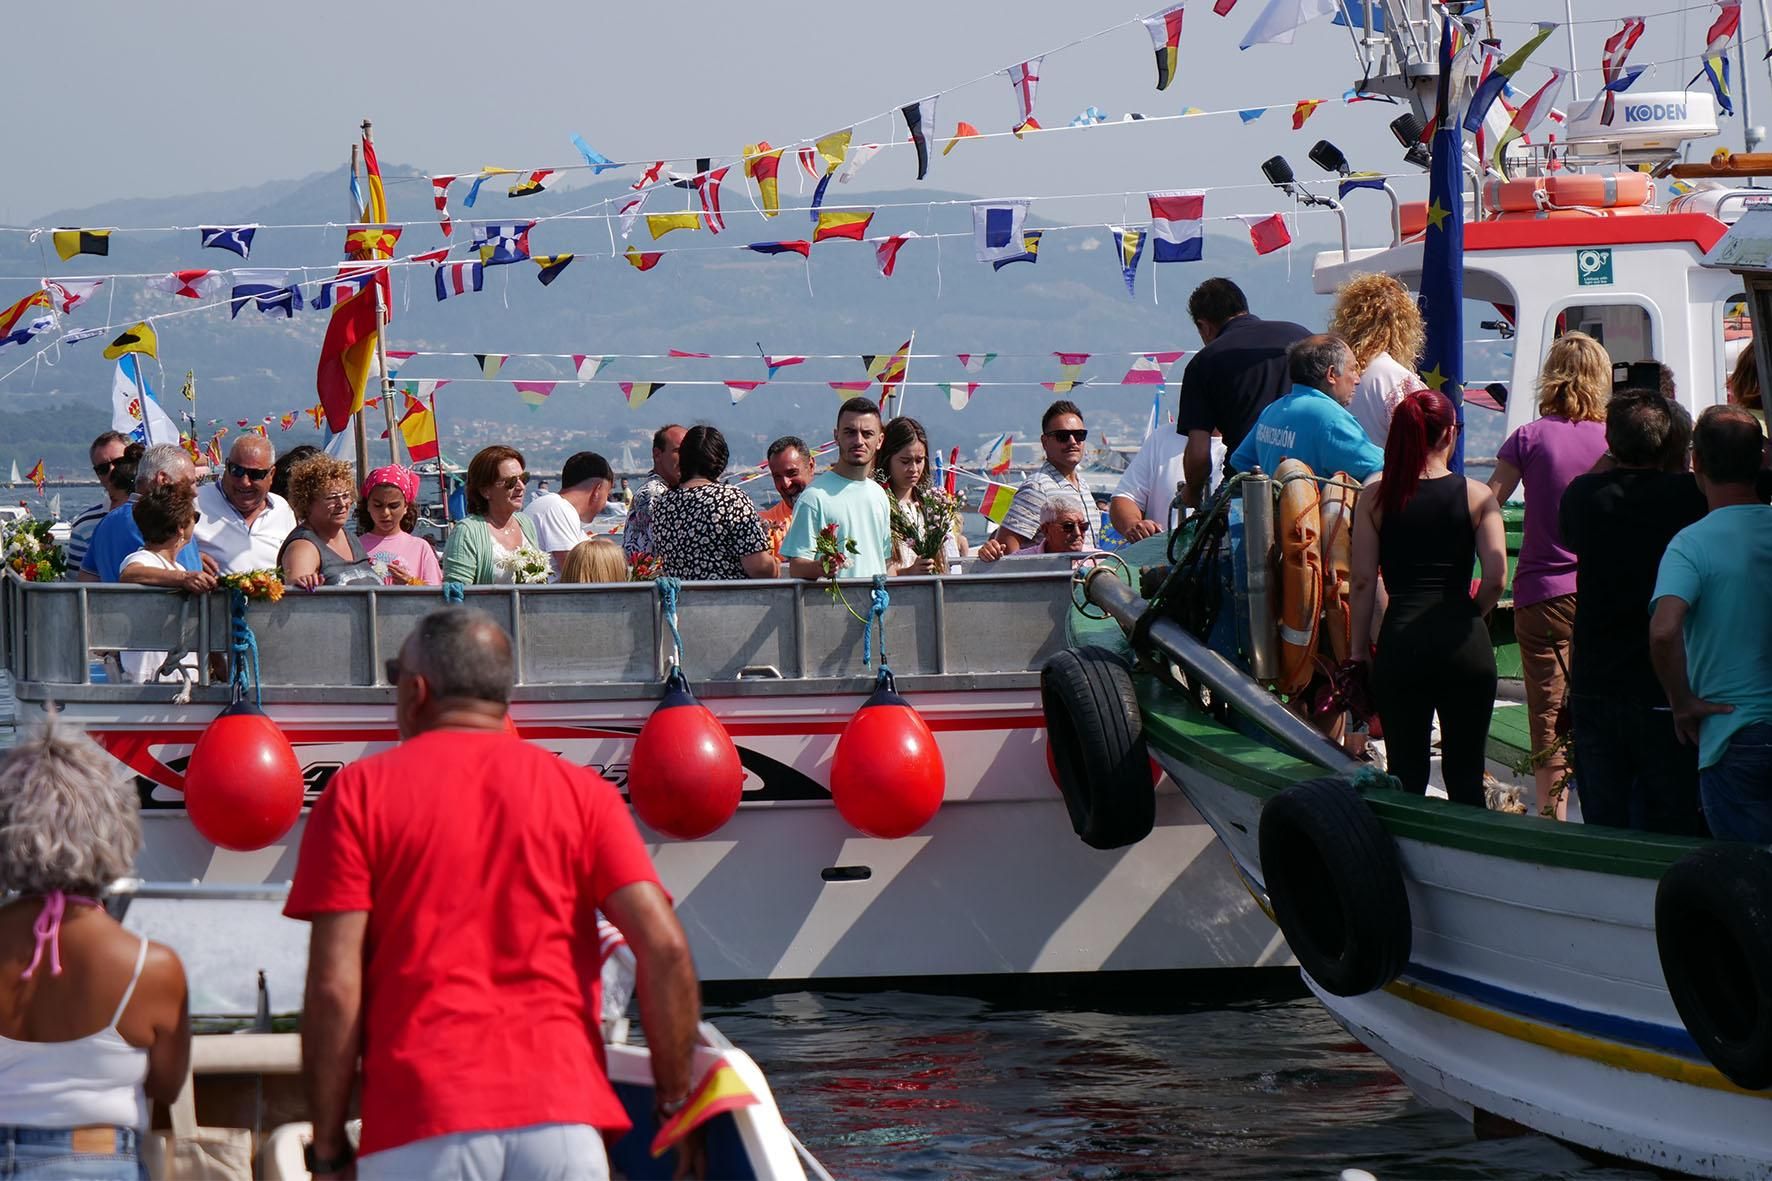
286,421
1178,225
536,182
1252,114
597,160
959,392
850,387
418,427
996,455
1359,180
1277,23
763,165
235,238
68,294
891,373
975,362
1024,79
799,247
1501,77
818,192
440,198
1268,234
1088,117
1030,250
858,159
1303,110
1716,72
686,353
73,337
534,393
962,130
140,339
833,148
1069,366
350,281
1223,7
267,290
198,284
587,366
773,364
1612,58
459,278
1129,245
68,243
997,229
636,392
630,211
1150,369
842,223
649,177
919,124
485,174
490,363
1715,65
1532,112
502,242
371,241
808,158
742,389
550,266
660,224
434,257
1165,31
886,253
707,187
17,325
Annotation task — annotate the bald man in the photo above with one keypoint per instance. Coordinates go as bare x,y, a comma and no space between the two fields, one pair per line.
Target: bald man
242,524
461,989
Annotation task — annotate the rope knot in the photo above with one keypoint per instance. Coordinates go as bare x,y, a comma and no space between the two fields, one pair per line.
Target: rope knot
876,618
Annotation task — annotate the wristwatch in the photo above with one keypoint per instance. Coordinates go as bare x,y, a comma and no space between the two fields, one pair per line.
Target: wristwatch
321,1166
664,1109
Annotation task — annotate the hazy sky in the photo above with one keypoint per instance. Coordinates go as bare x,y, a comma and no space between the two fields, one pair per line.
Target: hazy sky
203,95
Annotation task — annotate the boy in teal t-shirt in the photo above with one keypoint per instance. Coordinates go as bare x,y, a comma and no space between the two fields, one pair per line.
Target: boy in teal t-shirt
848,497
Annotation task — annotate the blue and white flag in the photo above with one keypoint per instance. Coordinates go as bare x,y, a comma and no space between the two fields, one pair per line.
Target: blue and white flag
269,291
235,238
342,288
502,242
597,160
1178,225
459,278
1129,245
996,229
134,409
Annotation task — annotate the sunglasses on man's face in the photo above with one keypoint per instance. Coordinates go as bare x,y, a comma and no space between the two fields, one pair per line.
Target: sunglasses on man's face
1069,436
242,472
1072,528
103,469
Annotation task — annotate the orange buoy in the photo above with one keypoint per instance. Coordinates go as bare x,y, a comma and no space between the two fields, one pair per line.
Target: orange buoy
243,786
684,778
887,777
1298,522
1337,543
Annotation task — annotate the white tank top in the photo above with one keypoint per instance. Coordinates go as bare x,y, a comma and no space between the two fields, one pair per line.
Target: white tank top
90,1080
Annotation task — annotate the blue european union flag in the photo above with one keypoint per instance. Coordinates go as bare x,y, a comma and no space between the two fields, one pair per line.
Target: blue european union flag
1442,255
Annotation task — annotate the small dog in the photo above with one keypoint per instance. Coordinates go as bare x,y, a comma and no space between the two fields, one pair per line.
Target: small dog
1502,797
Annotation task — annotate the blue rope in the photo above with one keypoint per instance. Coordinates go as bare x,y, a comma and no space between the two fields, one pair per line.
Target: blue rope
667,601
876,617
455,592
245,648
1367,778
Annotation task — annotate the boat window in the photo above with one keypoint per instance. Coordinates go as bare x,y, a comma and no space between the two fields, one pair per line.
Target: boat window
1623,328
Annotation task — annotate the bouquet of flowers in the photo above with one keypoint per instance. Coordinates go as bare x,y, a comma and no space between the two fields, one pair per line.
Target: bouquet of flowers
32,553
263,585
644,568
832,552
527,566
928,536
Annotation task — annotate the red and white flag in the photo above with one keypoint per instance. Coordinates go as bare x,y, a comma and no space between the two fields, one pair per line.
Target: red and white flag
1270,233
440,195
1025,78
886,253
190,284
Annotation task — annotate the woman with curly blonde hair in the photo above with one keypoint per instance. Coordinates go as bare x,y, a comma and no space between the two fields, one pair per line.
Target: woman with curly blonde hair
1378,318
1568,437
320,551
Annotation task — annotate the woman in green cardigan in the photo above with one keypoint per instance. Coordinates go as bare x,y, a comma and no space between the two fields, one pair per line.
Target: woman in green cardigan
481,547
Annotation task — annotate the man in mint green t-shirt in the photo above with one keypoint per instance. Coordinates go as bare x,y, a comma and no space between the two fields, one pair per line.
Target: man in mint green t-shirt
1710,635
848,497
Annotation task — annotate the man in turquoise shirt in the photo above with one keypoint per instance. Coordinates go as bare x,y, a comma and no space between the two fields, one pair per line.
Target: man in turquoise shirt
1710,638
1312,423
848,497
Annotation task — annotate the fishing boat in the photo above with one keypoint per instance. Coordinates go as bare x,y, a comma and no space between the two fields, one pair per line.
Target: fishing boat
786,891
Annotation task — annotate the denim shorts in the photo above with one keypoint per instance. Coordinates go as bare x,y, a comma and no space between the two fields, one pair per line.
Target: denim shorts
49,1154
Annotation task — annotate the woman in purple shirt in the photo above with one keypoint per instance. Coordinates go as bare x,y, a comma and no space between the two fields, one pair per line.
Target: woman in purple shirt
1566,440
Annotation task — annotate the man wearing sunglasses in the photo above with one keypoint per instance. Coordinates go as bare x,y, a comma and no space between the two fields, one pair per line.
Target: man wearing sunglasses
1063,435
107,449
243,523
1064,522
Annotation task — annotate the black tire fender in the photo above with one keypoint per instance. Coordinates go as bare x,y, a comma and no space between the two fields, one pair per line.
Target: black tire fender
1713,931
1096,734
1336,885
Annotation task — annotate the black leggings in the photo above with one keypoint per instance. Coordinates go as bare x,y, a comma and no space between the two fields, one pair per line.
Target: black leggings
1435,660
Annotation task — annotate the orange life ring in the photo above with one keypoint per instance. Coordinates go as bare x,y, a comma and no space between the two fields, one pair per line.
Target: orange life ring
1298,524
1555,214
1337,516
1592,190
1413,218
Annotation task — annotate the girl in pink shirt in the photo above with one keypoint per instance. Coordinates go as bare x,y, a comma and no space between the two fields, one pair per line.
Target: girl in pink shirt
385,517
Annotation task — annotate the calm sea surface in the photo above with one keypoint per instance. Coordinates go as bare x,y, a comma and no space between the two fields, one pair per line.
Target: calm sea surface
897,1085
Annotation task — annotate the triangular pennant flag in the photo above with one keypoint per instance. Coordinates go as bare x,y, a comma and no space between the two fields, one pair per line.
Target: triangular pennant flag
1024,79
833,148
486,173
685,353
597,160
782,362
440,198
630,212
551,265
850,387
1303,110
858,159
636,392
643,260
959,392
707,186
587,366
1165,31
962,130
534,393
741,389
919,122
1149,369
975,362
886,253
535,182
799,247
763,165
490,363
1129,244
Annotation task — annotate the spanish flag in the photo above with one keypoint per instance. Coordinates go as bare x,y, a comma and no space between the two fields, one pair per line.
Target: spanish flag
35,476
762,164
346,357
663,223
68,243
995,505
140,339
720,1091
843,223
418,426
643,260
1304,109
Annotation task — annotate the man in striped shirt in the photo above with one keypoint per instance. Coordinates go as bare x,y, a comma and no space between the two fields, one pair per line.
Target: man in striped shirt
107,449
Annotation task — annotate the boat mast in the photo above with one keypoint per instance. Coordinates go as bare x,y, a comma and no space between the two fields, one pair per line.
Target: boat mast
381,356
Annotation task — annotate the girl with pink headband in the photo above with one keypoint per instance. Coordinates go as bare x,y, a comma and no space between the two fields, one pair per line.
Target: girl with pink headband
385,517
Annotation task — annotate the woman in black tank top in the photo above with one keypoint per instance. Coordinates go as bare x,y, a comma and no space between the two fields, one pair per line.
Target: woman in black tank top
1423,528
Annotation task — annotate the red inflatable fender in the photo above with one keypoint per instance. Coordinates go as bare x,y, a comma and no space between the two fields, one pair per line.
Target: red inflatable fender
684,777
243,785
887,777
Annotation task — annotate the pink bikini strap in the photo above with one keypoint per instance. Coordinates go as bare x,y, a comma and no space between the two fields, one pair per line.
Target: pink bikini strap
48,930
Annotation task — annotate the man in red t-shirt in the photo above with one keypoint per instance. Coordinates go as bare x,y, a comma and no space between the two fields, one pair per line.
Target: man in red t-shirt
453,884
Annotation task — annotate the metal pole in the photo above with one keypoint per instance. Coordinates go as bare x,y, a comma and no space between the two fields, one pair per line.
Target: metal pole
442,480
1574,68
141,397
905,385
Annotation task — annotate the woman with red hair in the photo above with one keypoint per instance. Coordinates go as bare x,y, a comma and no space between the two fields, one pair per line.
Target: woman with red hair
1421,526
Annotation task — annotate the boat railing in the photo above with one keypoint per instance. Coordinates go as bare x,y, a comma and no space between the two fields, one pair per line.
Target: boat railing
582,640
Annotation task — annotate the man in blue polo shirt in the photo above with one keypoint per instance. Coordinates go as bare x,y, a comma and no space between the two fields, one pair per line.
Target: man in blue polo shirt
1312,423
116,536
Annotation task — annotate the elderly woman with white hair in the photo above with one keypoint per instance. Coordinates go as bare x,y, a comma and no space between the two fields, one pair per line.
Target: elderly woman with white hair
93,1017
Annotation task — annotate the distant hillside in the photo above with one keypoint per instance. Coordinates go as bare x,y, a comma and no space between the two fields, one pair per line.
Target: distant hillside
720,301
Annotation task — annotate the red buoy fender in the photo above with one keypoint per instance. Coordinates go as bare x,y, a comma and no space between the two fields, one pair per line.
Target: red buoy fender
887,777
684,778
243,785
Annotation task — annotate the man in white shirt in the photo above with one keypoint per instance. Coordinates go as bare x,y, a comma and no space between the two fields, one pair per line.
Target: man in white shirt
1141,506
242,524
562,517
